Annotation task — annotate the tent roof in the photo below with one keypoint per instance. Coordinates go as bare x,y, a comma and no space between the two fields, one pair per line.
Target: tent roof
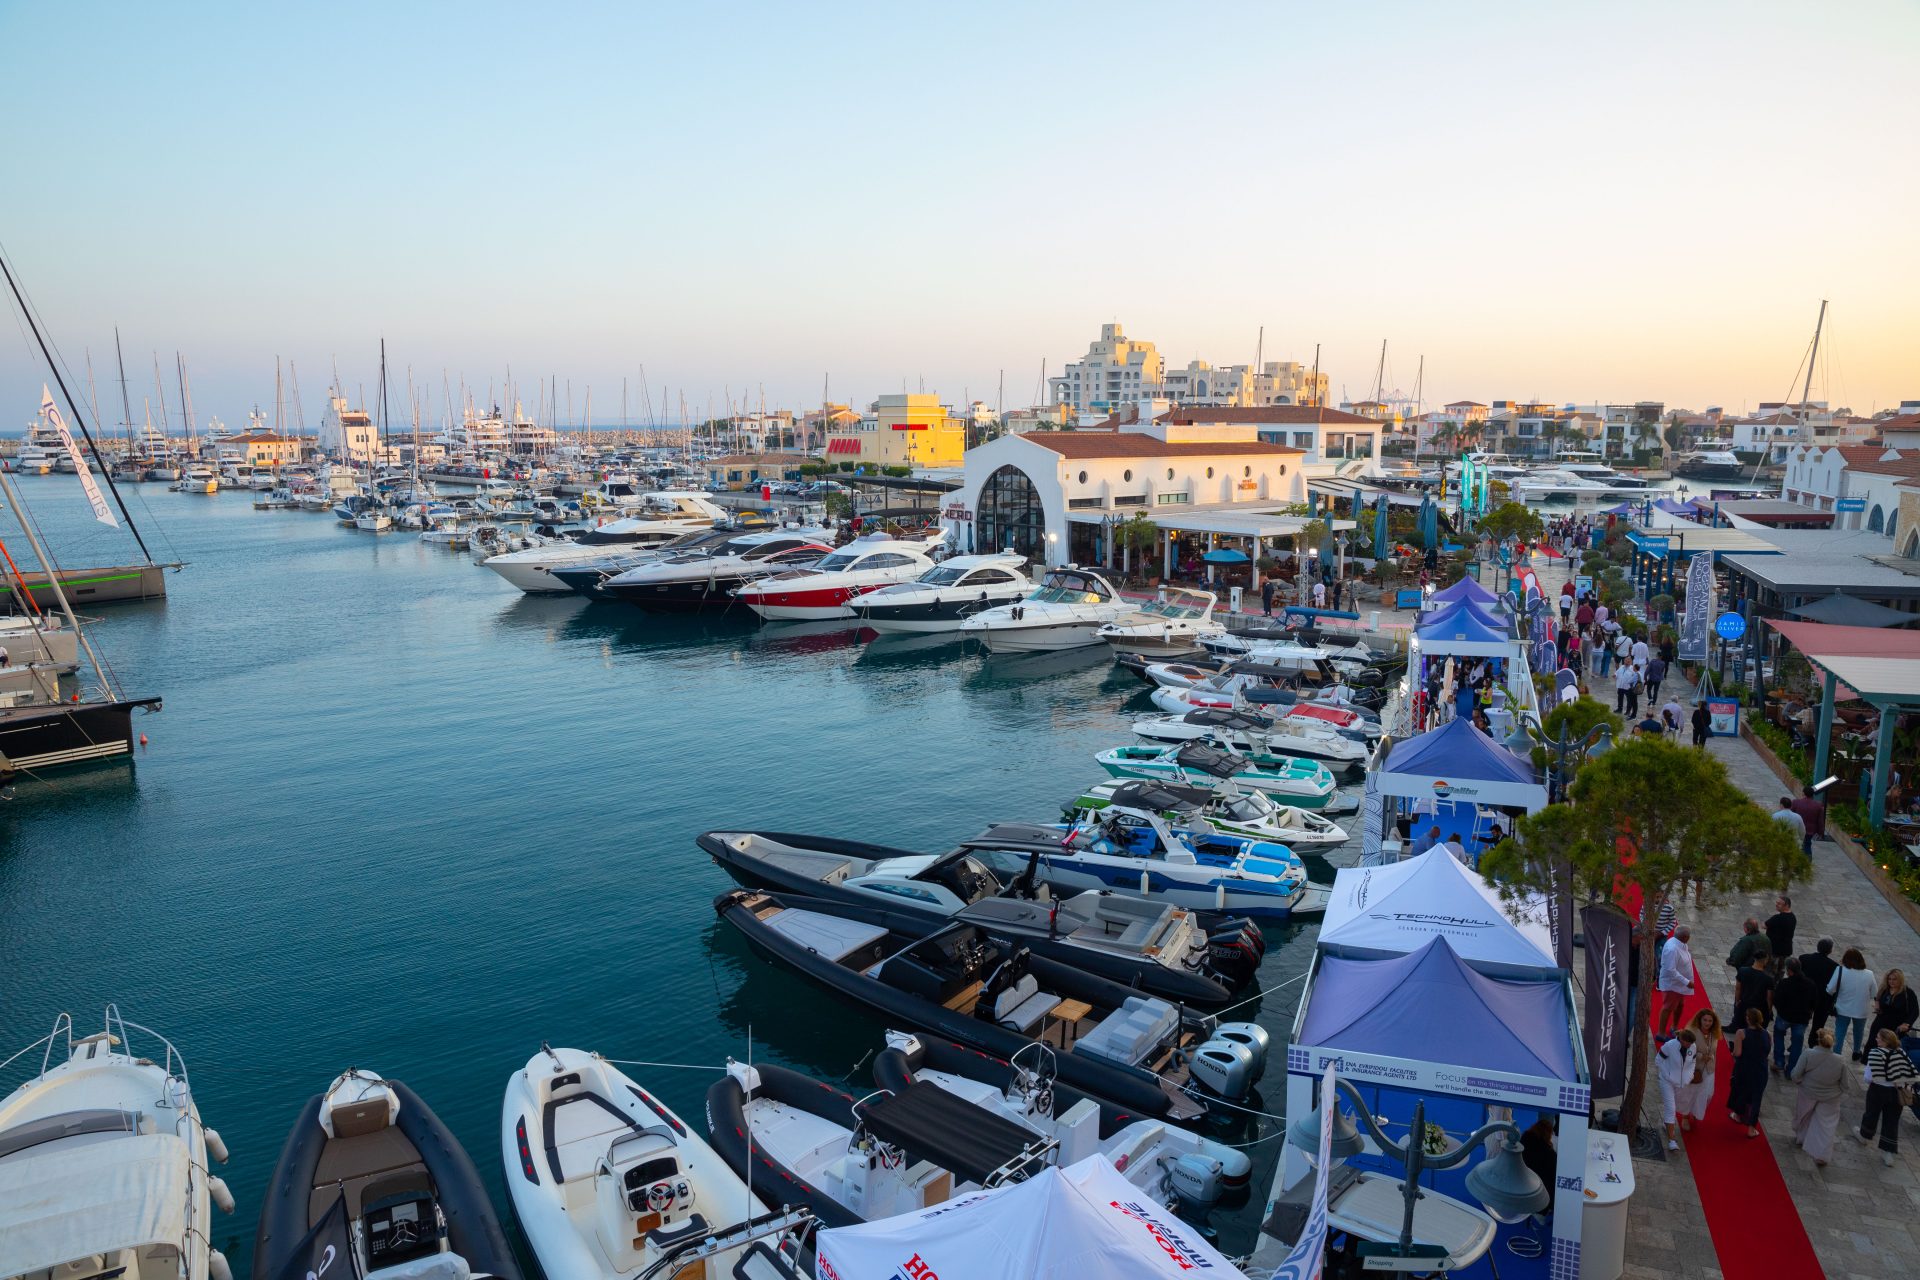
1465,589
1883,664
1852,611
1085,1219
1400,907
75,1201
1462,628
1457,761
1430,1007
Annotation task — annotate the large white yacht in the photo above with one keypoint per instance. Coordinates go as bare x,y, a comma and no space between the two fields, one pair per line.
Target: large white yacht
1579,482
946,595
103,1163
826,589
1172,626
665,516
1066,611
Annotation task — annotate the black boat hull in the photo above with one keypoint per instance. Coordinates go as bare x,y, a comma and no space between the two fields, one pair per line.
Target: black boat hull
36,738
1135,1089
1142,974
473,1230
697,595
771,1180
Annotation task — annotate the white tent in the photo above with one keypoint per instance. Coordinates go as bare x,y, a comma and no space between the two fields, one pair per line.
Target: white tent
1398,908
1084,1220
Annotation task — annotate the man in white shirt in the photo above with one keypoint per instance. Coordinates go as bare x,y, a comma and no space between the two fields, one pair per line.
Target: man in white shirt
1319,595
1792,821
1640,654
1626,692
1676,980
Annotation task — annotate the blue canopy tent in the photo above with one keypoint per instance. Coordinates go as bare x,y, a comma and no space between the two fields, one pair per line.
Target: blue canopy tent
1464,590
1458,762
1463,629
1427,1025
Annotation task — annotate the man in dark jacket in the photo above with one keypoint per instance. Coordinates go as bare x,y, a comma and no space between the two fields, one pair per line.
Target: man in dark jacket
1266,596
1817,967
1780,926
1702,721
1813,816
1794,999
1752,942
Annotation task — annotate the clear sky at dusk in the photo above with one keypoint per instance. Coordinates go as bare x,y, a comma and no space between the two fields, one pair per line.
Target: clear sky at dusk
1575,202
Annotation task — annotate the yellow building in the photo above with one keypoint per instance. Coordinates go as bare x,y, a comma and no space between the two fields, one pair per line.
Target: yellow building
901,431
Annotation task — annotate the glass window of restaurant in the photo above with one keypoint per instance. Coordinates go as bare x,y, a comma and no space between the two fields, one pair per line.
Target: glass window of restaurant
1010,515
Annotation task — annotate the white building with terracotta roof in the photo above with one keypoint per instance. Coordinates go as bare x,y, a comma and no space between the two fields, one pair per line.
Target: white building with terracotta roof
1055,496
1824,477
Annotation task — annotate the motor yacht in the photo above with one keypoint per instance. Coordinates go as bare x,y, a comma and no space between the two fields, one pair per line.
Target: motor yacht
1172,626
1249,732
368,1167
827,588
702,580
1197,958
1709,464
1132,1050
197,480
104,1162
610,1184
677,515
1228,809
945,595
1138,851
1305,784
1579,483
588,577
919,1142
1066,611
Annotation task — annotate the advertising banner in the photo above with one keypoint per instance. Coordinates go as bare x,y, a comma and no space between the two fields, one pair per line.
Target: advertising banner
101,511
1696,626
1310,1250
1723,717
1608,934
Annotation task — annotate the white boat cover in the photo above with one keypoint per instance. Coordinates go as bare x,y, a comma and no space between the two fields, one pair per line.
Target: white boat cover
1396,909
1084,1220
94,1198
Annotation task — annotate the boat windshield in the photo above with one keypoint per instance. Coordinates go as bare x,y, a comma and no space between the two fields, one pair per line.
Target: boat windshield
941,576
838,560
1246,807
1067,587
1172,609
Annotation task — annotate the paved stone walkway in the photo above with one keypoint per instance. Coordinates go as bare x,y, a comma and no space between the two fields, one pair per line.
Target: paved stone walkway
1862,1217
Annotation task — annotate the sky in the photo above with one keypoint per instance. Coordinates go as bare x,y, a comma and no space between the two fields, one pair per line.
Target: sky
1575,203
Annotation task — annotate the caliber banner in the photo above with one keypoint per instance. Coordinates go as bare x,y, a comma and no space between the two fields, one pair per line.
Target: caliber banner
51,411
1608,935
1696,627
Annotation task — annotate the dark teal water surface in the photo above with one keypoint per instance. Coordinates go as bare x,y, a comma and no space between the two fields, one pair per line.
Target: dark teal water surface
397,815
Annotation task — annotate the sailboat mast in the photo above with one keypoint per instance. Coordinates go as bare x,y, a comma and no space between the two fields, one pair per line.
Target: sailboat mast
46,353
1806,388
53,583
126,407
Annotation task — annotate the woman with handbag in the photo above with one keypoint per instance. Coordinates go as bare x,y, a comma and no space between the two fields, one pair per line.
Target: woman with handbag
1894,1006
1822,1076
1891,1076
1851,987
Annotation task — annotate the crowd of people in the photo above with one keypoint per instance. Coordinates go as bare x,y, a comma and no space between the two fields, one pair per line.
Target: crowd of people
1777,1026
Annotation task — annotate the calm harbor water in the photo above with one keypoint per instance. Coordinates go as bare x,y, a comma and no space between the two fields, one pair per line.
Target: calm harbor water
397,815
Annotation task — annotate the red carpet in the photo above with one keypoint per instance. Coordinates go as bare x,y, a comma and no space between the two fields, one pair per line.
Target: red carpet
1752,1218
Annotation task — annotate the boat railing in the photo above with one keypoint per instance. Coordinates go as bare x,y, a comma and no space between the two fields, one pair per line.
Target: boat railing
64,1022
178,1092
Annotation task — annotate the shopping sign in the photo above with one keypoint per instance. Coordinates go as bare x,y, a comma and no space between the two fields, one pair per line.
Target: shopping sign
957,511
1850,505
1730,626
1697,622
1723,717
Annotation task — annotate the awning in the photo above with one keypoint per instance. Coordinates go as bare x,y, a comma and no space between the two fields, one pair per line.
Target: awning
1466,589
1399,908
929,1123
1883,664
1458,762
1852,611
1225,555
91,1199
843,444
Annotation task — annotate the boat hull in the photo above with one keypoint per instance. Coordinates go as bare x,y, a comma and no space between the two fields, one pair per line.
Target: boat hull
71,733
108,585
1138,877
921,617
1043,638
698,595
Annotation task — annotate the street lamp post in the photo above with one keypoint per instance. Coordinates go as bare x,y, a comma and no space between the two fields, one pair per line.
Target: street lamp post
1502,1182
1564,753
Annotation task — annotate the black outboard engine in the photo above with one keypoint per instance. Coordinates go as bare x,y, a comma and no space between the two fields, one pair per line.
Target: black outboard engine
1235,947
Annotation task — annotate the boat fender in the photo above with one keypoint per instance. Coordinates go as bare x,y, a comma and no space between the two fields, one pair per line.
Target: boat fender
222,1198
1253,1036
216,1145
218,1267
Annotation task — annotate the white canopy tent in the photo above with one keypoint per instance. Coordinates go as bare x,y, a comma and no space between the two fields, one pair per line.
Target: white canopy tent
1398,908
1084,1220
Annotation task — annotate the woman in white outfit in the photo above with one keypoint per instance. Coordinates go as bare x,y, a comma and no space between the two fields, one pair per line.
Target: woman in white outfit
1676,1072
1692,1098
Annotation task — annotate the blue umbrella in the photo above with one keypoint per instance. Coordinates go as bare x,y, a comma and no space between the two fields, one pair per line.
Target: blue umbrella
1380,529
1429,523
1225,555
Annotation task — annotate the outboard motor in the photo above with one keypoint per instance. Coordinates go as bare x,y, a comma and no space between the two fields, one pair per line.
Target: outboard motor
1224,1067
1234,950
1253,1036
1198,1180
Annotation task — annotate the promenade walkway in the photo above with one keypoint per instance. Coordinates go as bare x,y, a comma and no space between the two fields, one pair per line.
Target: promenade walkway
1702,1217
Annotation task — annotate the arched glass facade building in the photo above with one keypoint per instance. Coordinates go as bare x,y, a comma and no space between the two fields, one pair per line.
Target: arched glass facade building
1009,516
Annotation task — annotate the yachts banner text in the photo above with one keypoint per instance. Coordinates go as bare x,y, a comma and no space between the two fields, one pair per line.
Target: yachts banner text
101,512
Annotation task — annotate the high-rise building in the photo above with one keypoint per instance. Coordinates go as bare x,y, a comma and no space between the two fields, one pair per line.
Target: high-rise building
1118,370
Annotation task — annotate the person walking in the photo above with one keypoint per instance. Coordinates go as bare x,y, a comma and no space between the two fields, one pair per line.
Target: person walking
1676,1062
1694,1097
1780,926
1822,1076
1702,721
1622,648
1656,672
1626,692
1894,1007
1818,965
1639,652
1751,940
1793,1001
1749,1046
1852,990
1266,596
1753,989
1675,983
1891,1076
1813,816
1787,818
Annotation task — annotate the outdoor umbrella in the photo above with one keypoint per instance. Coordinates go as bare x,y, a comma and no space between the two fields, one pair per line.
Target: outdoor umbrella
1429,523
1225,555
1380,529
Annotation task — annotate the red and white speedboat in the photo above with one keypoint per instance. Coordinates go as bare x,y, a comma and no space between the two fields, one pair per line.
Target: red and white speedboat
826,589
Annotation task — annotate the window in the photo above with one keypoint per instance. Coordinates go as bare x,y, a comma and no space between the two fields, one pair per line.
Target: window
1083,477
1246,472
1130,500
905,891
1169,473
1009,514
1171,499
1126,475
1085,504
1209,473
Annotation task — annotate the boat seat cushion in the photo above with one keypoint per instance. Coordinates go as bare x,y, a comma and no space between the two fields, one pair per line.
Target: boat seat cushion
1029,1013
1131,1033
437,1266
1139,935
1015,995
